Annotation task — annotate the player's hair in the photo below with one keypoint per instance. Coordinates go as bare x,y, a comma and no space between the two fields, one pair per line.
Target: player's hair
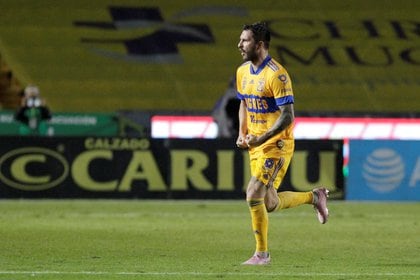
260,32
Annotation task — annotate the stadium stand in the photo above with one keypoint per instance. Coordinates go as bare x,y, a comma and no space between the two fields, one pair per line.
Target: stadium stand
357,56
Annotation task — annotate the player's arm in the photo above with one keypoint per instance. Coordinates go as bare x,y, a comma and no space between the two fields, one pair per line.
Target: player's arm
285,119
243,126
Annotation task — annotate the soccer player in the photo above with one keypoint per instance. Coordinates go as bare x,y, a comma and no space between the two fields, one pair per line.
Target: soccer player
266,117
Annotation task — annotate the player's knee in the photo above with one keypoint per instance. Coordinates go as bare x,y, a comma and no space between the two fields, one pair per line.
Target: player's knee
255,189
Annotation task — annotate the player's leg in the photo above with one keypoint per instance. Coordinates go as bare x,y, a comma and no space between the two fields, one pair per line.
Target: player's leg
275,200
255,194
271,199
282,200
288,199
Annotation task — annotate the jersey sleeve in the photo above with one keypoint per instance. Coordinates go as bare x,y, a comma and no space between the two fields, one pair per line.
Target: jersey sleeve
281,86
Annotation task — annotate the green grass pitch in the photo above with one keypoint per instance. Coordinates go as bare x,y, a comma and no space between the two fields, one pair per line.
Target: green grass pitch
138,239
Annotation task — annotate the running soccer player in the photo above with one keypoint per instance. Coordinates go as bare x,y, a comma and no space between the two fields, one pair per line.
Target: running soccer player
266,117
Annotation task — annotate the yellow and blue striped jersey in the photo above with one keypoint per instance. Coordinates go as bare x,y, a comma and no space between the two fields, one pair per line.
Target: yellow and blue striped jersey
264,90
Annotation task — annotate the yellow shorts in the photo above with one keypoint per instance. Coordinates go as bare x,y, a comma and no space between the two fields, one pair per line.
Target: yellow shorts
271,169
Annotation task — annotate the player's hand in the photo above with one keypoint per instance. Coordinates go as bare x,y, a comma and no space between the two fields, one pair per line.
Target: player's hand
252,140
240,142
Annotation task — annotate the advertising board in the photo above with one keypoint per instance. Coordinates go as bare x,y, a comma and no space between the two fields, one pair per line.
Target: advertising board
42,167
384,170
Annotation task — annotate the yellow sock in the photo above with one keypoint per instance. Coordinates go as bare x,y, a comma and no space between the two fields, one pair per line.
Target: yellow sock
259,219
293,199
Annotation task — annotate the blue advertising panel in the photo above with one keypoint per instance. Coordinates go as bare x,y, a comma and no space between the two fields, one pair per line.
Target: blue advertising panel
384,170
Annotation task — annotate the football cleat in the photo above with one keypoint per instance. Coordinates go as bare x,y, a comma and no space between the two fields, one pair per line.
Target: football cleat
258,259
320,204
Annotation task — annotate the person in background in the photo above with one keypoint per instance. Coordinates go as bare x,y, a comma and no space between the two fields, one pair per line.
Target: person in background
33,114
266,116
225,112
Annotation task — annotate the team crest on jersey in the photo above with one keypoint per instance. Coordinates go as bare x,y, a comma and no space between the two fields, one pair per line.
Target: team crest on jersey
269,163
283,78
260,87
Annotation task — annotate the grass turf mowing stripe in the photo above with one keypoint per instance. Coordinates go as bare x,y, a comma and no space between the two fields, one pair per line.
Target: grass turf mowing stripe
107,240
303,274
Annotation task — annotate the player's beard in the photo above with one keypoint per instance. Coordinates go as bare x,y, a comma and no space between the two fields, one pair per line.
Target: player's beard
250,55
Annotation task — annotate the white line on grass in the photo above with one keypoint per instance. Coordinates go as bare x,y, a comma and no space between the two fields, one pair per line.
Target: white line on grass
291,274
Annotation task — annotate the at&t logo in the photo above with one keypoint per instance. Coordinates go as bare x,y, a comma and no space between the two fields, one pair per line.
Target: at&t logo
383,170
